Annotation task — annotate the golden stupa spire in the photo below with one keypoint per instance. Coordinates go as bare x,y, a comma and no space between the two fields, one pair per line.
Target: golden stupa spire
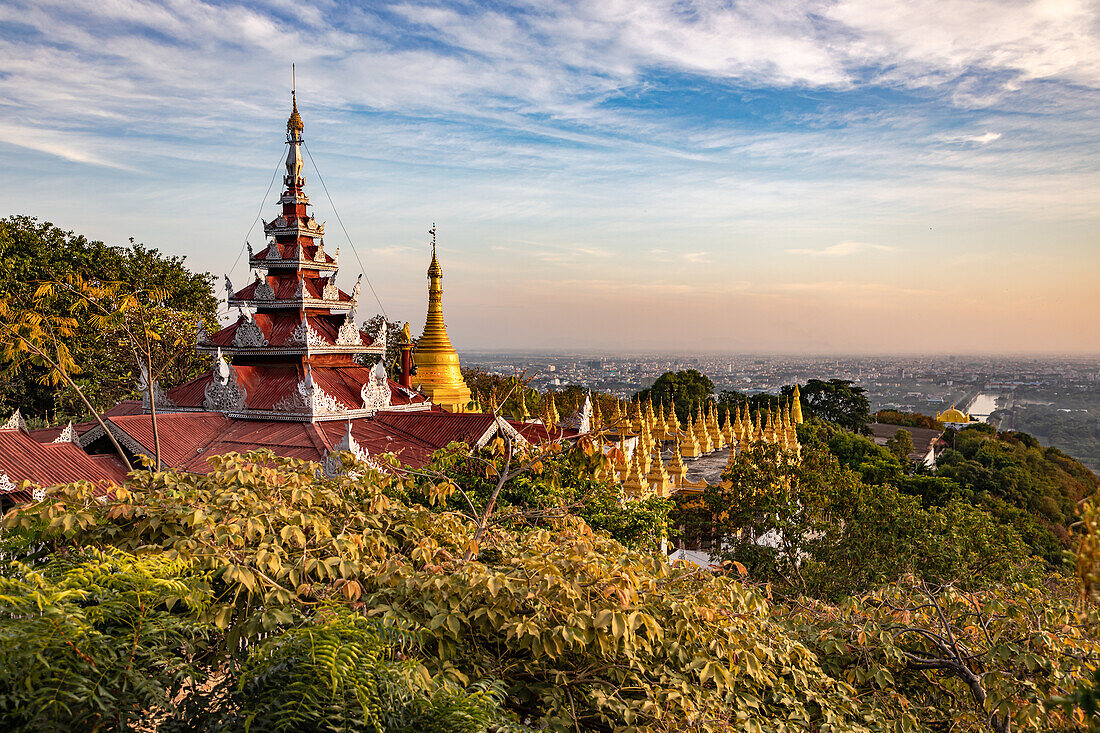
438,369
294,122
796,407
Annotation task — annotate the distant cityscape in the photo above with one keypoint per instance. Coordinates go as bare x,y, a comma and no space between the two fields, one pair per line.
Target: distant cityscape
1055,399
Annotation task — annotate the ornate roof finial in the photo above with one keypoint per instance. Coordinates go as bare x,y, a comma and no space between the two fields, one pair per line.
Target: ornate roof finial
295,120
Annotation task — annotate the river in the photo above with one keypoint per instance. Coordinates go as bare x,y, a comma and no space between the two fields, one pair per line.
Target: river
983,406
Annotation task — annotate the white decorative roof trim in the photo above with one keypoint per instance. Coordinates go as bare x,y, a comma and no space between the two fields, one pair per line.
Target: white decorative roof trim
500,424
6,484
67,435
159,398
581,420
376,392
201,336
349,335
333,464
126,440
309,399
305,335
249,333
224,393
15,422
319,255
330,291
263,291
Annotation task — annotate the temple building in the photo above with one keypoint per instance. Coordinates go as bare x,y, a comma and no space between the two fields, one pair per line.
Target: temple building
293,373
955,418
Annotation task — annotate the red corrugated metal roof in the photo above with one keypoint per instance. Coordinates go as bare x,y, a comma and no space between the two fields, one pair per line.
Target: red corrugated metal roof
181,433
22,458
438,429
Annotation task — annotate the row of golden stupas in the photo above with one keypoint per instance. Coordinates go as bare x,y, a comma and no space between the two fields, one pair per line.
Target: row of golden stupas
641,433
642,471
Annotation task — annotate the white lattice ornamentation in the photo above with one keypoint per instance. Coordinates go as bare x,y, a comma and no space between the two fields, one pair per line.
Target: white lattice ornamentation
310,399
249,334
273,252
224,393
68,435
330,291
581,420
319,255
305,335
6,484
264,291
159,398
349,335
334,461
201,335
15,422
376,392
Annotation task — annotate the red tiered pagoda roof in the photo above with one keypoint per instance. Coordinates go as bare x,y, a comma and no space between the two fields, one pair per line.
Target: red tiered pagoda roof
294,344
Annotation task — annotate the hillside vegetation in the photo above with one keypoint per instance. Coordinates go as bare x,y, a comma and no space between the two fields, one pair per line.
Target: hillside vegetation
265,595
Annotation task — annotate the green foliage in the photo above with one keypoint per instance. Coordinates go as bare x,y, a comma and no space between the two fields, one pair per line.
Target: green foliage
1021,485
583,632
906,419
33,252
575,480
94,640
341,672
1032,488
901,445
940,658
688,387
814,527
837,401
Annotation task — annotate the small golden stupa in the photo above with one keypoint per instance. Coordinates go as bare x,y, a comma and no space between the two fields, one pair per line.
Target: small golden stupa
438,374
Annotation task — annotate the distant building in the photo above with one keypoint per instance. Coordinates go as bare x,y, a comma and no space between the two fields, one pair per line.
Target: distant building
925,441
955,418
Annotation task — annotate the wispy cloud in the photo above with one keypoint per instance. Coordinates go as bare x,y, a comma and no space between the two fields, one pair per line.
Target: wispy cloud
697,257
841,249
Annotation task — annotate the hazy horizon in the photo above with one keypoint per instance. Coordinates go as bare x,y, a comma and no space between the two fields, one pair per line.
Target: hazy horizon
830,177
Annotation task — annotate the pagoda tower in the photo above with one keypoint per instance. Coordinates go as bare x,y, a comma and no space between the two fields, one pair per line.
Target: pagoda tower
294,343
438,373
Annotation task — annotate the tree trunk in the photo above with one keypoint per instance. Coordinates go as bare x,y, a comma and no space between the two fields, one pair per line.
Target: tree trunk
152,407
95,413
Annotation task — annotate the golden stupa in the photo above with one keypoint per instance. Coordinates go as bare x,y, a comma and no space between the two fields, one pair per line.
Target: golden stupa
438,374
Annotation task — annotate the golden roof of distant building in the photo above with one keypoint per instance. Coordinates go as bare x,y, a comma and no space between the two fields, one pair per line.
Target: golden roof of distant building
952,415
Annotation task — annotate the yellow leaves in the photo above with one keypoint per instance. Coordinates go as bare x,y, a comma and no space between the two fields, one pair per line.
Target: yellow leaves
494,584
352,590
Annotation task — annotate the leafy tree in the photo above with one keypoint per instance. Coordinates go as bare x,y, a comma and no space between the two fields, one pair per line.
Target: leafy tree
812,526
901,445
837,401
688,387
937,657
33,341
583,633
339,672
95,640
567,480
906,419
393,339
33,252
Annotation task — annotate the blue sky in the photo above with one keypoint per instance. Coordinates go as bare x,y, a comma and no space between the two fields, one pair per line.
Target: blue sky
770,175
